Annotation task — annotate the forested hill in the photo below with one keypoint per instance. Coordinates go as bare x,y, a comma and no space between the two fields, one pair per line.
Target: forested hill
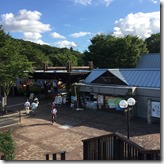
53,55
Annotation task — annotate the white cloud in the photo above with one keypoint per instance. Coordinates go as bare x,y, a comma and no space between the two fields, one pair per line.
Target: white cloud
26,22
65,43
57,35
67,25
39,41
140,24
106,2
32,35
83,2
93,2
80,34
154,1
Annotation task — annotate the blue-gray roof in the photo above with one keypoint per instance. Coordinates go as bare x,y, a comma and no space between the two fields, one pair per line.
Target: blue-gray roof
132,77
149,61
95,73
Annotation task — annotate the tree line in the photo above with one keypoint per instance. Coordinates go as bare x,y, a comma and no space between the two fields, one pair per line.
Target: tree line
107,51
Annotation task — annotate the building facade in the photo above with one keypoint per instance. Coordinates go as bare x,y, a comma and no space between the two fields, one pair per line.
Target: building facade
103,89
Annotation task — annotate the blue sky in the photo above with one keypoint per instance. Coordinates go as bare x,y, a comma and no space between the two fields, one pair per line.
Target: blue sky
72,23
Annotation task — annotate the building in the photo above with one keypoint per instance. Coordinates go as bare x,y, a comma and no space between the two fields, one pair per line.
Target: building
103,89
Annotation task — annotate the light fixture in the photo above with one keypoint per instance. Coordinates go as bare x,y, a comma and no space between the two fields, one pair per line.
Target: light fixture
127,106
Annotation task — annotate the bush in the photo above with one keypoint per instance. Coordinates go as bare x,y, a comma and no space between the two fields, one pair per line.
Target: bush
7,145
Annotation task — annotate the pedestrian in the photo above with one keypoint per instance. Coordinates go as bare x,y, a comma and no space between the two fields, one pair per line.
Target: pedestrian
34,106
37,101
27,106
53,114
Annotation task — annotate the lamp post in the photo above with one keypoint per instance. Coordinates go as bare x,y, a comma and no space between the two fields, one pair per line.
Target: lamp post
127,106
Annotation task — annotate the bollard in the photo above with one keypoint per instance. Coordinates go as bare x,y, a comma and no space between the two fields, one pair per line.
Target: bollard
54,156
19,116
47,156
62,155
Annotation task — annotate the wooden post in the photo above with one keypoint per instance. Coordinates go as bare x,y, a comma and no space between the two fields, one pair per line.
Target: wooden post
90,63
45,66
68,66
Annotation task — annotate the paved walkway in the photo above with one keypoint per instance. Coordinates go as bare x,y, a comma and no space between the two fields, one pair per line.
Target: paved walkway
35,135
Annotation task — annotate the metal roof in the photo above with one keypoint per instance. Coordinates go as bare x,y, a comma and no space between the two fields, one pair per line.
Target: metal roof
146,74
139,77
95,73
149,61
132,77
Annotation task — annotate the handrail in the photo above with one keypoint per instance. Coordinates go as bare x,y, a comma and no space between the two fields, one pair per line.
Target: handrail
116,146
131,143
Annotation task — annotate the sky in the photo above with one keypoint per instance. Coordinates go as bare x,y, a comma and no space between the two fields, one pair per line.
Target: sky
73,23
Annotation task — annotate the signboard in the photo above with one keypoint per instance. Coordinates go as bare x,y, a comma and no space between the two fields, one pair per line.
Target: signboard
155,109
100,99
31,97
58,100
113,102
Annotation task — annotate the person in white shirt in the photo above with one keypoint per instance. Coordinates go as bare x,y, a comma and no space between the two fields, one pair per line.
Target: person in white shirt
37,101
34,107
27,106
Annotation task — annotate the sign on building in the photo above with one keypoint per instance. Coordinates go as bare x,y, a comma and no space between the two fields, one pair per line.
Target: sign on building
155,109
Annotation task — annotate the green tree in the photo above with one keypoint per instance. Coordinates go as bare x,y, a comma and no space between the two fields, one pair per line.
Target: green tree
153,43
107,51
33,53
13,64
61,58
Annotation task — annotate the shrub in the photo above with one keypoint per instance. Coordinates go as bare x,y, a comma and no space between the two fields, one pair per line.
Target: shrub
7,145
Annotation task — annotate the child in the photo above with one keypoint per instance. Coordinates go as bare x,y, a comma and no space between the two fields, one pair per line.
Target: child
53,114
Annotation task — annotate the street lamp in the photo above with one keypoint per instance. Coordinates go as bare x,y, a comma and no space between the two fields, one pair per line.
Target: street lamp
127,106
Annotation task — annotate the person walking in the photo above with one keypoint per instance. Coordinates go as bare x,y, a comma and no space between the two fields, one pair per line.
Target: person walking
34,107
27,106
37,101
53,113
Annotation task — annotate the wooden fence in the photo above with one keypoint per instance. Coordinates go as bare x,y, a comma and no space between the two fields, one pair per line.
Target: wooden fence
116,147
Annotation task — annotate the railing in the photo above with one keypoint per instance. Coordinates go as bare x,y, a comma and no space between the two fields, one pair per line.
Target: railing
56,156
116,147
10,118
68,67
